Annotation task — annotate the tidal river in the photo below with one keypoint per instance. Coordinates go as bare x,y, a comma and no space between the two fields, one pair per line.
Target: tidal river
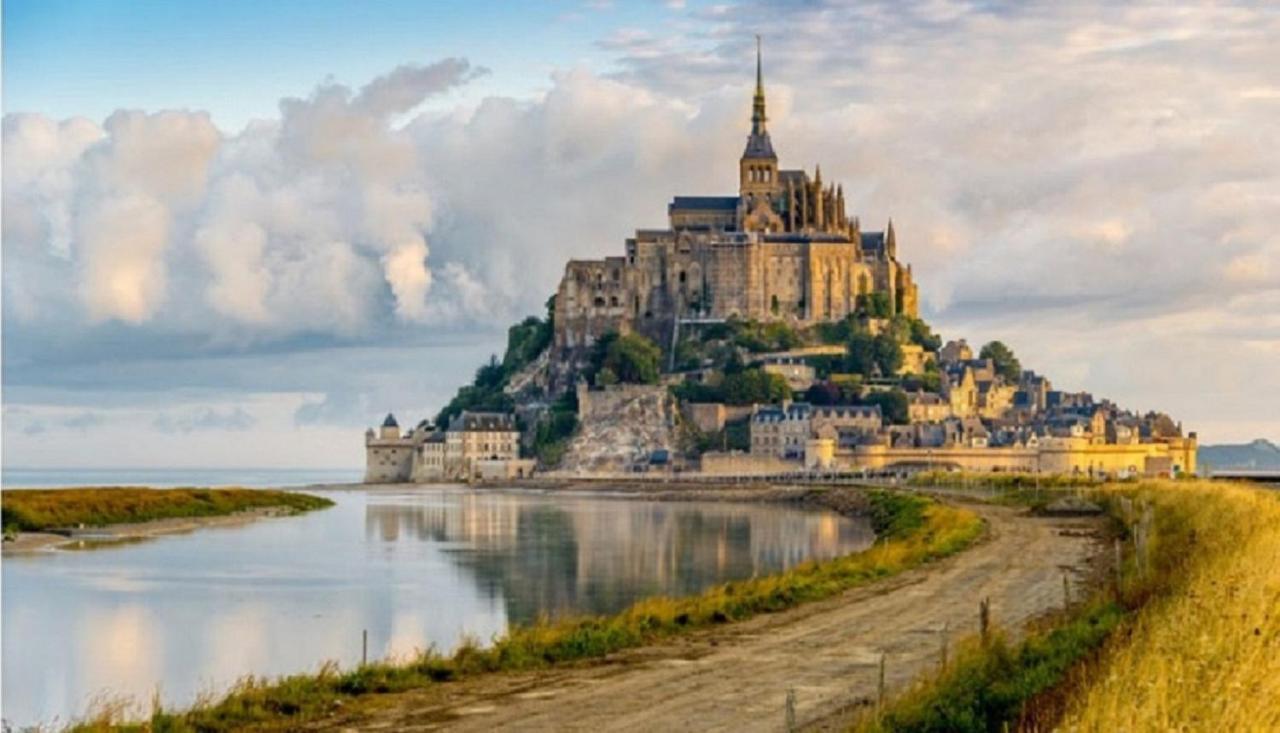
189,614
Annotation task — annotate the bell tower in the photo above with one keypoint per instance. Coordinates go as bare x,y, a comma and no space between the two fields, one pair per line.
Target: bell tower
758,167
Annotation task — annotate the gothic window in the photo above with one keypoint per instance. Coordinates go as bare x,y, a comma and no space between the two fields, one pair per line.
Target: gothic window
599,302
682,277
613,301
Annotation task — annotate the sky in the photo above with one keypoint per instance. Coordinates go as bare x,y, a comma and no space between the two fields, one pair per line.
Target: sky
236,234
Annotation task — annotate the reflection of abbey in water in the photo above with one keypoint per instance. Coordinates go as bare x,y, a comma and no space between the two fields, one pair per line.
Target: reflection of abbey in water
592,555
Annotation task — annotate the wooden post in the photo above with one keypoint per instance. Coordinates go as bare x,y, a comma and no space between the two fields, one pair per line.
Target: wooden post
880,696
945,628
791,709
1119,567
984,619
1066,590
364,647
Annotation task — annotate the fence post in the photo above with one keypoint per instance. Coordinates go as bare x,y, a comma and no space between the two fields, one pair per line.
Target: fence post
364,647
946,627
1119,567
1066,590
880,695
984,619
791,709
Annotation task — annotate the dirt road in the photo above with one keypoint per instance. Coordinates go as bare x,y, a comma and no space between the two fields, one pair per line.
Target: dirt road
736,678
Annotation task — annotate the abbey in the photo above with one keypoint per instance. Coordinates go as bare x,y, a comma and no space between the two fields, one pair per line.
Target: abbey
783,249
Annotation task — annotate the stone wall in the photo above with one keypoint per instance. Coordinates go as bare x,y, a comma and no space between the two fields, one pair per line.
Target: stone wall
737,463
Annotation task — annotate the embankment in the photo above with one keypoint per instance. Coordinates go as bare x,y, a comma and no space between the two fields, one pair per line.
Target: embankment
1184,636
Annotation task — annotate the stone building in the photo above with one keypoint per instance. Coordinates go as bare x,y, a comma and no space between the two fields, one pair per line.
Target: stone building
781,431
389,455
476,445
783,249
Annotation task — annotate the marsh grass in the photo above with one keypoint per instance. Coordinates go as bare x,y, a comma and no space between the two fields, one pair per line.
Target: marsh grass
914,530
1187,639
37,510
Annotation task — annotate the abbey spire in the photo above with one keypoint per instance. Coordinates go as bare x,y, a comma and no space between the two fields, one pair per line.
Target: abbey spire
758,117
758,168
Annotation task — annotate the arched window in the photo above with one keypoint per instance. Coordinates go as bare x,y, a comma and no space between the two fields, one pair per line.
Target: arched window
682,277
599,302
613,301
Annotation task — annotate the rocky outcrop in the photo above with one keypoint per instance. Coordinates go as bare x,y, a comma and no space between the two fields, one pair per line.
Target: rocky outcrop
620,427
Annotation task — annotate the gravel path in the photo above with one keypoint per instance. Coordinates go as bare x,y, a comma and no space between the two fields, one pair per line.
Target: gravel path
735,678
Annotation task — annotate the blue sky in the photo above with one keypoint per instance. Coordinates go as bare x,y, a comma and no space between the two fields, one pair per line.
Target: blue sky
237,233
237,58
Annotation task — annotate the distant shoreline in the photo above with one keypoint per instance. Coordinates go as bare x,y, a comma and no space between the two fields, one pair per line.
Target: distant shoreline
116,534
47,519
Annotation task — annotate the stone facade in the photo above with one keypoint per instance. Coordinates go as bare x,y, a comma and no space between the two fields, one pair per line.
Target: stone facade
477,445
783,249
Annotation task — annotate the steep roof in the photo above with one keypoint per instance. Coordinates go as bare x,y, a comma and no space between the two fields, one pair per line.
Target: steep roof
390,422
470,421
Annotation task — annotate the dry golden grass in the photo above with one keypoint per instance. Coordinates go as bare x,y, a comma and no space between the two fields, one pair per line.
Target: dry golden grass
1204,652
34,510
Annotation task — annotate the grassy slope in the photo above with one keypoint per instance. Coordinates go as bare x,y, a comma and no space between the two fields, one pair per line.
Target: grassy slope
915,530
32,510
1204,652
1201,642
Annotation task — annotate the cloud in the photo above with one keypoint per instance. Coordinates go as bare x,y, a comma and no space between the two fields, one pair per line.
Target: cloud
340,408
314,222
208,418
82,421
1095,184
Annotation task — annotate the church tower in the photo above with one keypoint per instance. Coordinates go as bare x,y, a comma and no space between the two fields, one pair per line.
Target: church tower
758,168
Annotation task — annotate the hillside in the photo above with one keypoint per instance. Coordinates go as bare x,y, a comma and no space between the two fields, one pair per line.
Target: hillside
1258,454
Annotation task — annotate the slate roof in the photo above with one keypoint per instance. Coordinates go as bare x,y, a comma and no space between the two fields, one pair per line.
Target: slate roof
759,146
794,411
390,422
470,421
705,203
873,241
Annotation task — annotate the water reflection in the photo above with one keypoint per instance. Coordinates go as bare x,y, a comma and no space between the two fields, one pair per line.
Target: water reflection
192,613
575,554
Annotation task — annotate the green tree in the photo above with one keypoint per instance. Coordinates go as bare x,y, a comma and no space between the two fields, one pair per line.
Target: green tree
868,355
888,354
893,405
525,341
631,358
875,305
923,335
860,356
754,385
1002,356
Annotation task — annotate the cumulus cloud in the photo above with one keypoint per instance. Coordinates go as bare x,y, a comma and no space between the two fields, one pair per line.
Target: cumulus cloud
314,222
